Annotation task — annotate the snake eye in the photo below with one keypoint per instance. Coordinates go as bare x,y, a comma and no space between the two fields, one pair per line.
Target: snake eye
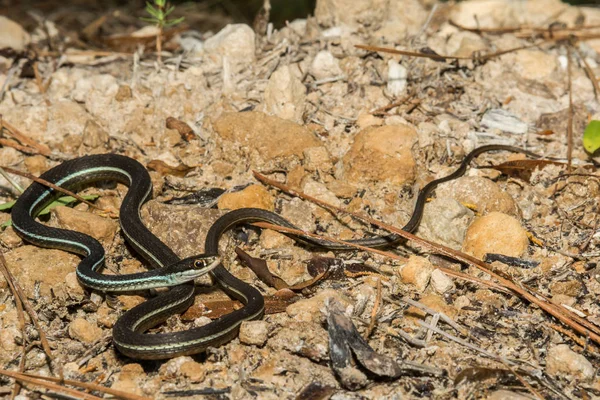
199,264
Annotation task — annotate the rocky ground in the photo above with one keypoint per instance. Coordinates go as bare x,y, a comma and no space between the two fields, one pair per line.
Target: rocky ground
359,129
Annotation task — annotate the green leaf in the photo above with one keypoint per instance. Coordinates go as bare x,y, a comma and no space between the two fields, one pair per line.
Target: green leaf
153,11
169,10
63,201
172,22
591,137
160,3
7,206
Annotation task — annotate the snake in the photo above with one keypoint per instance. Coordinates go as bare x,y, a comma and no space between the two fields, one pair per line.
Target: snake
130,335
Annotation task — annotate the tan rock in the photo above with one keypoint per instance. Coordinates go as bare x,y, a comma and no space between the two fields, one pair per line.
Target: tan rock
265,134
128,380
129,302
562,360
342,189
440,282
365,120
381,154
285,95
310,309
254,332
123,93
483,193
573,288
270,239
193,370
253,196
31,264
319,191
36,164
496,233
234,42
317,159
417,271
350,12
73,284
94,136
84,331
102,229
325,65
10,238
507,395
12,35
535,64
106,316
434,302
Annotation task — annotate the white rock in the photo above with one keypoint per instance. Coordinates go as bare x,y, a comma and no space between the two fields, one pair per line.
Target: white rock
285,95
397,78
445,221
234,42
504,120
320,191
12,35
440,282
562,360
325,65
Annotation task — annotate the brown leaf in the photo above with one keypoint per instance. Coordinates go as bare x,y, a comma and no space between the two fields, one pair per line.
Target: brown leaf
316,391
523,168
165,169
260,268
217,308
186,132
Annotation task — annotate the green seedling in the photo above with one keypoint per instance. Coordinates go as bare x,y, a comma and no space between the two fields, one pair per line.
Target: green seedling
159,13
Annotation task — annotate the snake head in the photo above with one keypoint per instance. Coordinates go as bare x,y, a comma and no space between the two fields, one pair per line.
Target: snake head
191,268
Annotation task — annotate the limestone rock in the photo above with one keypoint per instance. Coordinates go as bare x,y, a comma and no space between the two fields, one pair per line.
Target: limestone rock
235,41
102,229
317,159
13,35
417,272
350,12
36,164
265,134
31,264
285,95
254,332
483,193
325,65
310,309
445,221
440,282
397,78
434,302
84,331
381,154
253,196
495,233
94,135
193,370
562,360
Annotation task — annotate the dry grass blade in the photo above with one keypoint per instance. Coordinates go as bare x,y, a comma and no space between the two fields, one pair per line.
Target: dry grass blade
90,386
438,57
374,311
51,185
19,147
57,388
20,298
570,121
567,317
588,71
20,315
21,137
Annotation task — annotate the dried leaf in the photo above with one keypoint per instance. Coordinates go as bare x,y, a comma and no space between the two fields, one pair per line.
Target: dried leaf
260,268
316,391
479,374
186,132
165,169
523,168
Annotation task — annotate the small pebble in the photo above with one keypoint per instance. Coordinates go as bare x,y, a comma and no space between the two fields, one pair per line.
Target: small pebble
440,282
254,332
84,331
417,271
562,360
253,196
495,233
